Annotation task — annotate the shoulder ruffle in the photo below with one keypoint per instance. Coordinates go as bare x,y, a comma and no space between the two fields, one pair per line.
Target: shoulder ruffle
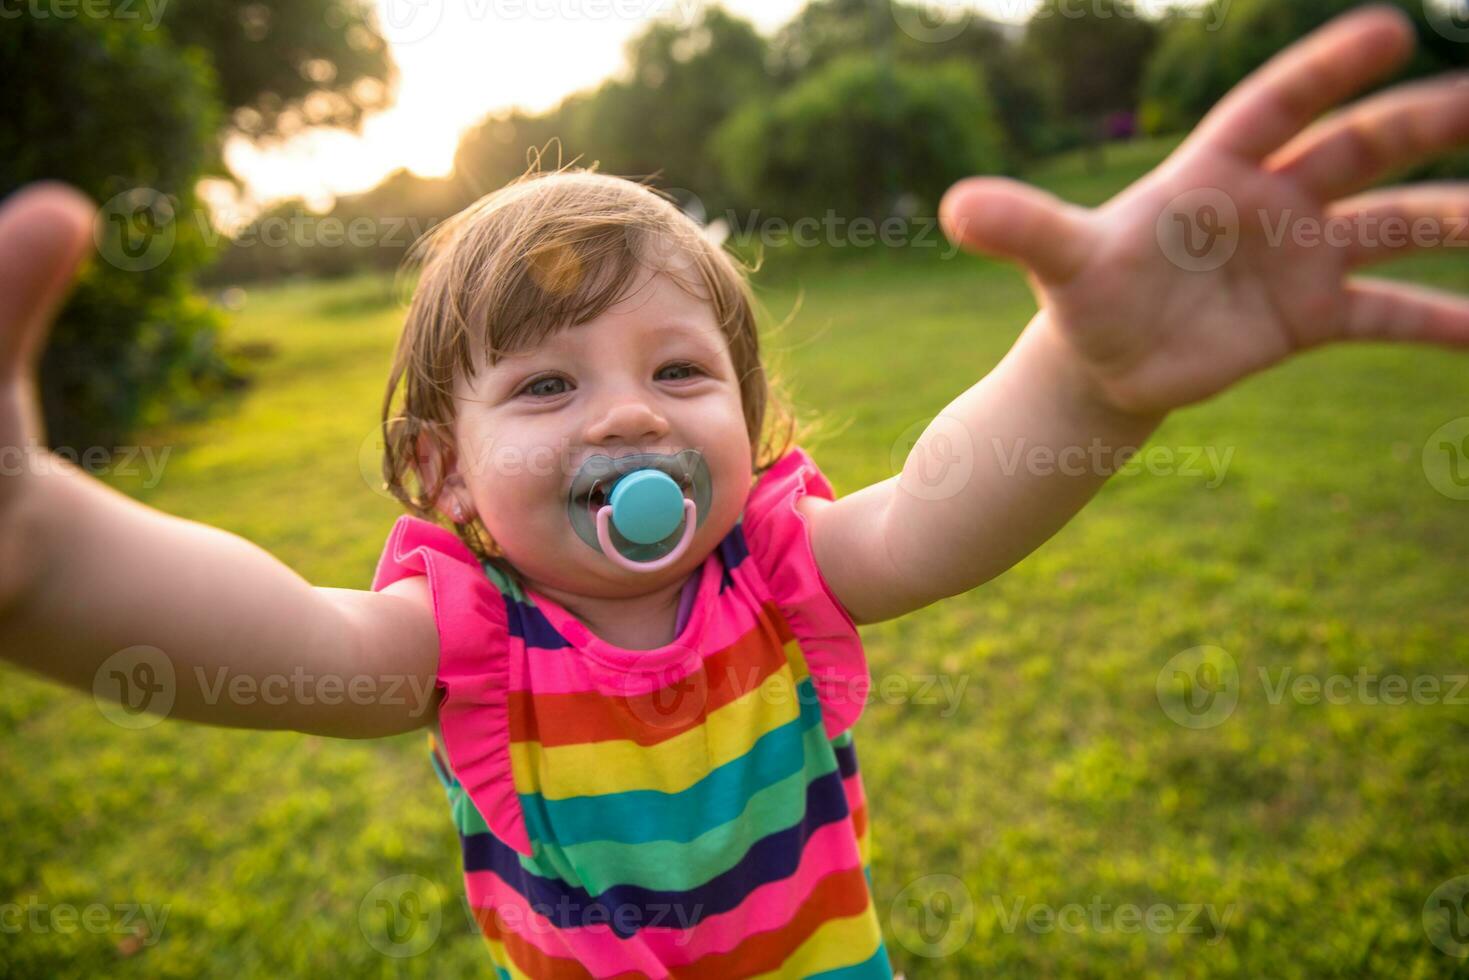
778,540
474,666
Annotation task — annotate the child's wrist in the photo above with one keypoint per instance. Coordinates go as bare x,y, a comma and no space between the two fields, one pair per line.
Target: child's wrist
1087,397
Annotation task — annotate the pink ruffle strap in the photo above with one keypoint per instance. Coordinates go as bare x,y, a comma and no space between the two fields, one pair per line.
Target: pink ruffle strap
474,666
780,544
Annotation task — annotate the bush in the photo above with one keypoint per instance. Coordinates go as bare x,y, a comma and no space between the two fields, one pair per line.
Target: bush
857,136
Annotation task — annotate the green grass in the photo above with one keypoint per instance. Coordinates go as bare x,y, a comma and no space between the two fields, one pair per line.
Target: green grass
1319,830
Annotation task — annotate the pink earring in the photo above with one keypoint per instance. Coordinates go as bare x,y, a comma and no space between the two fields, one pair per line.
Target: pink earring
458,512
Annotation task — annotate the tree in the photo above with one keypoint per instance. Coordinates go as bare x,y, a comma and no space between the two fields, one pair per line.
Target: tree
858,135
371,230
681,82
496,151
825,30
1202,54
1096,53
285,64
131,120
134,116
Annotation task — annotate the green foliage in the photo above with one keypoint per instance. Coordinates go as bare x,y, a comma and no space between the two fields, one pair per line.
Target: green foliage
682,81
824,30
735,124
933,105
857,135
131,120
285,64
1095,52
1205,53
1024,94
371,230
131,113
500,148
1186,68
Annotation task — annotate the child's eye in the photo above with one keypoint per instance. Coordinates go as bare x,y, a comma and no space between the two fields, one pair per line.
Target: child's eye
536,387
681,366
530,386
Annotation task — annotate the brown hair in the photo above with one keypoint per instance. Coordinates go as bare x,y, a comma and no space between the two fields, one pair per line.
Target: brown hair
548,250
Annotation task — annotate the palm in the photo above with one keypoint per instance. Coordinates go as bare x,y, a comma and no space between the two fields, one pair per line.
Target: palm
1165,334
1216,265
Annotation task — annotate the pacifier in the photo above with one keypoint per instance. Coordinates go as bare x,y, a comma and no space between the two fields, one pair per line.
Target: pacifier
633,509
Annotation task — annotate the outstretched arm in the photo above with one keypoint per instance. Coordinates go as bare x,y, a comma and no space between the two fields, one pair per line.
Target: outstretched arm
87,572
1231,256
999,470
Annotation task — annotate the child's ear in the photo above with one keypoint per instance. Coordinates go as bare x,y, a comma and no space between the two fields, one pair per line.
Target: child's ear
438,466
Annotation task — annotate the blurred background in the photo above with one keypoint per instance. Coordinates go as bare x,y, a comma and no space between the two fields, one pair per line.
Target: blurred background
262,169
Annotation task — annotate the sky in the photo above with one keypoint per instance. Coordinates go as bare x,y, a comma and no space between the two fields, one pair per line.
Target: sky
460,60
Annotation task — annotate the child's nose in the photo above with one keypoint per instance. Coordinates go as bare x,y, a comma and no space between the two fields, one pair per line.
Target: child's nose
630,420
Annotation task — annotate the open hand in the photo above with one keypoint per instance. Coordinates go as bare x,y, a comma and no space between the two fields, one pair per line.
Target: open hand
1234,253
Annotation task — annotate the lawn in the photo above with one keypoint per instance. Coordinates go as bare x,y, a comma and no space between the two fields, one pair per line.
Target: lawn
1043,814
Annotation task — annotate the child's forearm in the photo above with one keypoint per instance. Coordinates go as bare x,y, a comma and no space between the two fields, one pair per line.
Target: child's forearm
1003,467
247,641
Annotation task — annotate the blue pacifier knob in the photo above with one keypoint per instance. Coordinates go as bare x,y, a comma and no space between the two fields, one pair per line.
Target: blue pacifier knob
646,506
640,510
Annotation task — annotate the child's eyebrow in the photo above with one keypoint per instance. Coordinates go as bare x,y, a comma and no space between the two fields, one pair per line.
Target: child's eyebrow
675,329
684,331
557,343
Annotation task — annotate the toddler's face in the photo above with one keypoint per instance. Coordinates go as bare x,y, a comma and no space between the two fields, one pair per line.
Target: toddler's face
651,374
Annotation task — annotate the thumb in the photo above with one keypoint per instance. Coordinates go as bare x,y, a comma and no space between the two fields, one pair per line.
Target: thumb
1012,220
45,230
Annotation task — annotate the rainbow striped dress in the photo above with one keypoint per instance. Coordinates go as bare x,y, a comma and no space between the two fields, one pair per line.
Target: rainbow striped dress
689,811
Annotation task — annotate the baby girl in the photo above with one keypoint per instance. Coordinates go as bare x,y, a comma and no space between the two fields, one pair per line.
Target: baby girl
642,629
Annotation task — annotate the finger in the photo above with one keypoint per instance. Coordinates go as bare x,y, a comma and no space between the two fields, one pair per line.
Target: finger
1377,309
1398,221
1280,97
1358,146
1012,220
45,230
